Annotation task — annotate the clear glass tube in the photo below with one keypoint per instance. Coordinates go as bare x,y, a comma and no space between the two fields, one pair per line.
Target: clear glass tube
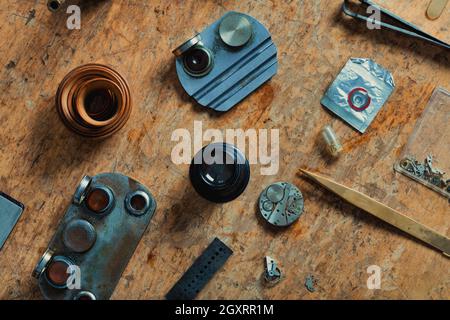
332,142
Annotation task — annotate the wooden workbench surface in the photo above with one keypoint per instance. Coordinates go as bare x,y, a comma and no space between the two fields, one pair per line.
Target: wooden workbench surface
41,162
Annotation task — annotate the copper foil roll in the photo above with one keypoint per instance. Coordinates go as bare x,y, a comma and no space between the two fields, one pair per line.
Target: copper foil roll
94,101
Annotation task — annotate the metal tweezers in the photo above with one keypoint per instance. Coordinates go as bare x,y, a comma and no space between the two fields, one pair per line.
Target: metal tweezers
408,28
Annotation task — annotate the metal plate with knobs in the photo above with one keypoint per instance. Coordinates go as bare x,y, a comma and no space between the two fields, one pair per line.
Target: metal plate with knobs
281,204
227,61
98,234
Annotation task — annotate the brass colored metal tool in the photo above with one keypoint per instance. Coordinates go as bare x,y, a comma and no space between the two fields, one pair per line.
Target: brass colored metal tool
436,8
383,212
400,25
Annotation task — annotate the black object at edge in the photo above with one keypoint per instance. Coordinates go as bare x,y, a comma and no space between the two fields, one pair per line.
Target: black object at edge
201,271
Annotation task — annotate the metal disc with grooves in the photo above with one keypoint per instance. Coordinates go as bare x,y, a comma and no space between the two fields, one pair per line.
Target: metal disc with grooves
281,204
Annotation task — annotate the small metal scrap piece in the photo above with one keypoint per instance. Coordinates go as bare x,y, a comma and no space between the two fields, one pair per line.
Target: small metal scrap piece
272,274
310,283
425,174
281,204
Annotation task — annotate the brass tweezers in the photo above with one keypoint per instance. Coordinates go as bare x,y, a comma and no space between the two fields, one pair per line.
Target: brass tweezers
406,27
383,212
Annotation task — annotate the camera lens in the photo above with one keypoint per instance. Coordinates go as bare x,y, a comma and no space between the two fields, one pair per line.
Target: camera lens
198,61
219,172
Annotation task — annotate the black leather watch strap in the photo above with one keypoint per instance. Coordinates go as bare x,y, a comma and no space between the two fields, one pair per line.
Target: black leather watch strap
201,271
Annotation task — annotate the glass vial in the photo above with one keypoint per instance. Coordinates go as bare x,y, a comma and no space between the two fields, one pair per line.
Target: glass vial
332,142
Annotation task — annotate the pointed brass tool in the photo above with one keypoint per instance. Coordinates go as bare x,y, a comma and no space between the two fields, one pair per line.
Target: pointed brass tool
383,212
399,25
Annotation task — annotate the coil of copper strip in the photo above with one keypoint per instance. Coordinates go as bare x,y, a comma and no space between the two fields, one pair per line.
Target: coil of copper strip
94,101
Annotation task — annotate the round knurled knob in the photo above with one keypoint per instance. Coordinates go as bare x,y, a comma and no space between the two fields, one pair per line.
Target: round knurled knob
79,235
235,30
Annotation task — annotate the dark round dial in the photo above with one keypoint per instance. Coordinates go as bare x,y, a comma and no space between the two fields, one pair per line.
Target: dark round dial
219,172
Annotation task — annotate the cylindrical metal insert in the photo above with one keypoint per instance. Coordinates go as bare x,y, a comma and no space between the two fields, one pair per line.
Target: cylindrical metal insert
198,61
85,295
100,199
55,5
137,202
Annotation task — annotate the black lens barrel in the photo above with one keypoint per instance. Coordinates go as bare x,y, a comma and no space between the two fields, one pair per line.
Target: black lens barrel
219,172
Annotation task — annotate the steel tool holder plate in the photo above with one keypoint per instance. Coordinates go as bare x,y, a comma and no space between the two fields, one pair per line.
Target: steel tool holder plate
237,72
281,204
117,236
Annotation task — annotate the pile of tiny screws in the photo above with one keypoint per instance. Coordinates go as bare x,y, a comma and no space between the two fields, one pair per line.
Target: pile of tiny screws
426,172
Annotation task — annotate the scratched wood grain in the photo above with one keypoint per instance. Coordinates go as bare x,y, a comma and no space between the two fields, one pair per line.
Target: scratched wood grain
41,162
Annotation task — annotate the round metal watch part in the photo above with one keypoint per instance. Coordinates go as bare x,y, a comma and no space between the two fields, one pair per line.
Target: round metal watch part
235,30
79,235
186,46
80,193
281,204
137,202
219,172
